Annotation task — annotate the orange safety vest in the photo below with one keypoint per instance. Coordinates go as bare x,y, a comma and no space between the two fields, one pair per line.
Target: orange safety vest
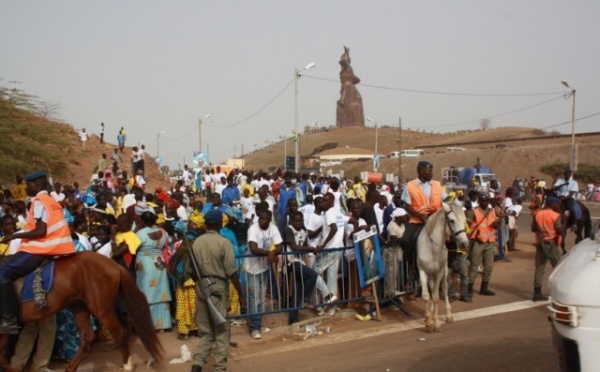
419,202
546,220
58,236
482,229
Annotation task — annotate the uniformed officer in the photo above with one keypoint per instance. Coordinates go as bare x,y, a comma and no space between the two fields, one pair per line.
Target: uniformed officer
548,226
422,197
566,189
483,225
46,234
216,261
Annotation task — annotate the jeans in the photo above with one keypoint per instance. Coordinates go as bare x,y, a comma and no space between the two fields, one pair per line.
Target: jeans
329,261
19,264
305,279
257,290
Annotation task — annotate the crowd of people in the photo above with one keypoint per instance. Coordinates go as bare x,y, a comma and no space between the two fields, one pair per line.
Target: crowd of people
254,217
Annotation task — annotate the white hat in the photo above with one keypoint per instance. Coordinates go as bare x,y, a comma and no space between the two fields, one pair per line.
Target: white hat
398,212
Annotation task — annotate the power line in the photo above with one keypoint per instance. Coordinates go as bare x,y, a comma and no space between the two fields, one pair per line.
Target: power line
492,117
239,122
443,93
257,112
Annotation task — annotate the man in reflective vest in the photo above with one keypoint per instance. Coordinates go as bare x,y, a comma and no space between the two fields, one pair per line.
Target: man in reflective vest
46,234
482,224
422,197
549,227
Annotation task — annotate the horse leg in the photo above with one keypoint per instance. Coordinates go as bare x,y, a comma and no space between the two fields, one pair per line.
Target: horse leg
86,334
109,319
449,317
435,298
4,365
428,303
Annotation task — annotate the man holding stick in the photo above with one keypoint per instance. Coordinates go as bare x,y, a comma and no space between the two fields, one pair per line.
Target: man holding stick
216,262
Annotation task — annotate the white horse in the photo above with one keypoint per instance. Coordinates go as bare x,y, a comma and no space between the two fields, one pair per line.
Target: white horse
432,258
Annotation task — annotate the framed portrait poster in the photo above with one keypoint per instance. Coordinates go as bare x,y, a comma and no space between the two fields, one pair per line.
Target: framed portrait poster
368,256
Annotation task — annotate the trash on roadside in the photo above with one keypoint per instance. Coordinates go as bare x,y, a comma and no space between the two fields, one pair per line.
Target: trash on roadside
420,339
186,356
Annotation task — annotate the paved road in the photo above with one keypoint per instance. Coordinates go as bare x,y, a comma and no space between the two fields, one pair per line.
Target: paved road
515,341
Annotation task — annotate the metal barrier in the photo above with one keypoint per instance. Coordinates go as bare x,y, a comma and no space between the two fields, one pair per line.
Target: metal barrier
279,289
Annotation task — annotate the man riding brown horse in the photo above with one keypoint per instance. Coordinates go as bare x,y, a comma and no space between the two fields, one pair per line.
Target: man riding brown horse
46,234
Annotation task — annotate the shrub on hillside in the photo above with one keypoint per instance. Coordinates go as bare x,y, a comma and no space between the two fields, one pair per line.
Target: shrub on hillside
585,172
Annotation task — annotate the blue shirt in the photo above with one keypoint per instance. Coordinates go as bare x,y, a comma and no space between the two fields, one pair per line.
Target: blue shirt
285,194
230,194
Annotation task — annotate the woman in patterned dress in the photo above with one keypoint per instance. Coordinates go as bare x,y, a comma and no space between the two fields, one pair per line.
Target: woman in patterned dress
151,273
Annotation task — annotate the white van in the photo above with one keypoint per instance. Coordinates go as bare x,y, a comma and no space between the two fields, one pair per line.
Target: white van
407,153
575,307
453,149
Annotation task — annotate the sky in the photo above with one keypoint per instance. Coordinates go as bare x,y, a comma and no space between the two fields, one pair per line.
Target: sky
153,66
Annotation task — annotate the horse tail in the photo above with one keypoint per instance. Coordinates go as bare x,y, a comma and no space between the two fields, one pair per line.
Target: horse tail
138,315
587,227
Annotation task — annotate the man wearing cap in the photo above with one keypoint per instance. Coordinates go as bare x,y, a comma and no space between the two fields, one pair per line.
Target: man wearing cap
482,224
216,261
548,226
46,234
422,197
566,188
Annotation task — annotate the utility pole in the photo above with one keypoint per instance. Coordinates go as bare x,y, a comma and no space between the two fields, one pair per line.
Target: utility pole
399,151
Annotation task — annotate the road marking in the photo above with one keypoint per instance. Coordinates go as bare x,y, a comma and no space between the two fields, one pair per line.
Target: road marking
394,328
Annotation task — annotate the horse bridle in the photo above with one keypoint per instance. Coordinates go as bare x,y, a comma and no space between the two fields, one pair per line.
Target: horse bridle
457,233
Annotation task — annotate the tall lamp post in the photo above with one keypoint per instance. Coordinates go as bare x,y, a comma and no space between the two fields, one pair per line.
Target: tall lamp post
296,132
399,152
284,138
376,159
200,132
158,142
572,94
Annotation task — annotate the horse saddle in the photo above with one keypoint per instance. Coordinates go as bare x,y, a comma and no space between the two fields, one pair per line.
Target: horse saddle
38,282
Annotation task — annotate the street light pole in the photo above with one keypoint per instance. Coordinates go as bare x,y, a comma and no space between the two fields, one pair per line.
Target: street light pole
399,151
296,133
284,150
158,142
375,160
200,132
572,94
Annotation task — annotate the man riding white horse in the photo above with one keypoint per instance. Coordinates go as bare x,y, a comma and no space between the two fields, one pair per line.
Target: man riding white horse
423,197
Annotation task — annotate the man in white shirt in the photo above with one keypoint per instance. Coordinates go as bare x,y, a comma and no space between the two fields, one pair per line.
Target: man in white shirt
186,175
333,233
261,238
57,193
566,189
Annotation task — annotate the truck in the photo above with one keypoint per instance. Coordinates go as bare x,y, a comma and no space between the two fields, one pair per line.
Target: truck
467,178
575,307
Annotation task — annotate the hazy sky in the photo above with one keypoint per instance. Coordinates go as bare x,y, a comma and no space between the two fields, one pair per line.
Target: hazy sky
161,65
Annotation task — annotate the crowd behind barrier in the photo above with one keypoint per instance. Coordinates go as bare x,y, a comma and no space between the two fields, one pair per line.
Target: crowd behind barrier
114,207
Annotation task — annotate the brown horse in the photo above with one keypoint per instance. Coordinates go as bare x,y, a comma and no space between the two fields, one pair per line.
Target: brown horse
88,282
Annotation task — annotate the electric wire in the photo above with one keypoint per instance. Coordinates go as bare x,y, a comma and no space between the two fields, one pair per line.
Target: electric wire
443,93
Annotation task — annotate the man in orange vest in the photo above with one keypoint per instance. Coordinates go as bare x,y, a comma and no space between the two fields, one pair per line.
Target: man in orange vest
422,197
46,234
482,224
549,227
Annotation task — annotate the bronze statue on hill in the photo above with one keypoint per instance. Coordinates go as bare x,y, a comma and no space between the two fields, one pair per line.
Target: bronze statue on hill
350,111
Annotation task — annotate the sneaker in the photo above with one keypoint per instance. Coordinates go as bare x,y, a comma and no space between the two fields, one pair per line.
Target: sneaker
255,335
333,298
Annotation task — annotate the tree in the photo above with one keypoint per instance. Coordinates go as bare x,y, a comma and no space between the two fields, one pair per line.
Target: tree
47,109
485,124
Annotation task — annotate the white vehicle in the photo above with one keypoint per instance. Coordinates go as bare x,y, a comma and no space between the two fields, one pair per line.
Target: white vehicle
453,149
407,153
575,307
